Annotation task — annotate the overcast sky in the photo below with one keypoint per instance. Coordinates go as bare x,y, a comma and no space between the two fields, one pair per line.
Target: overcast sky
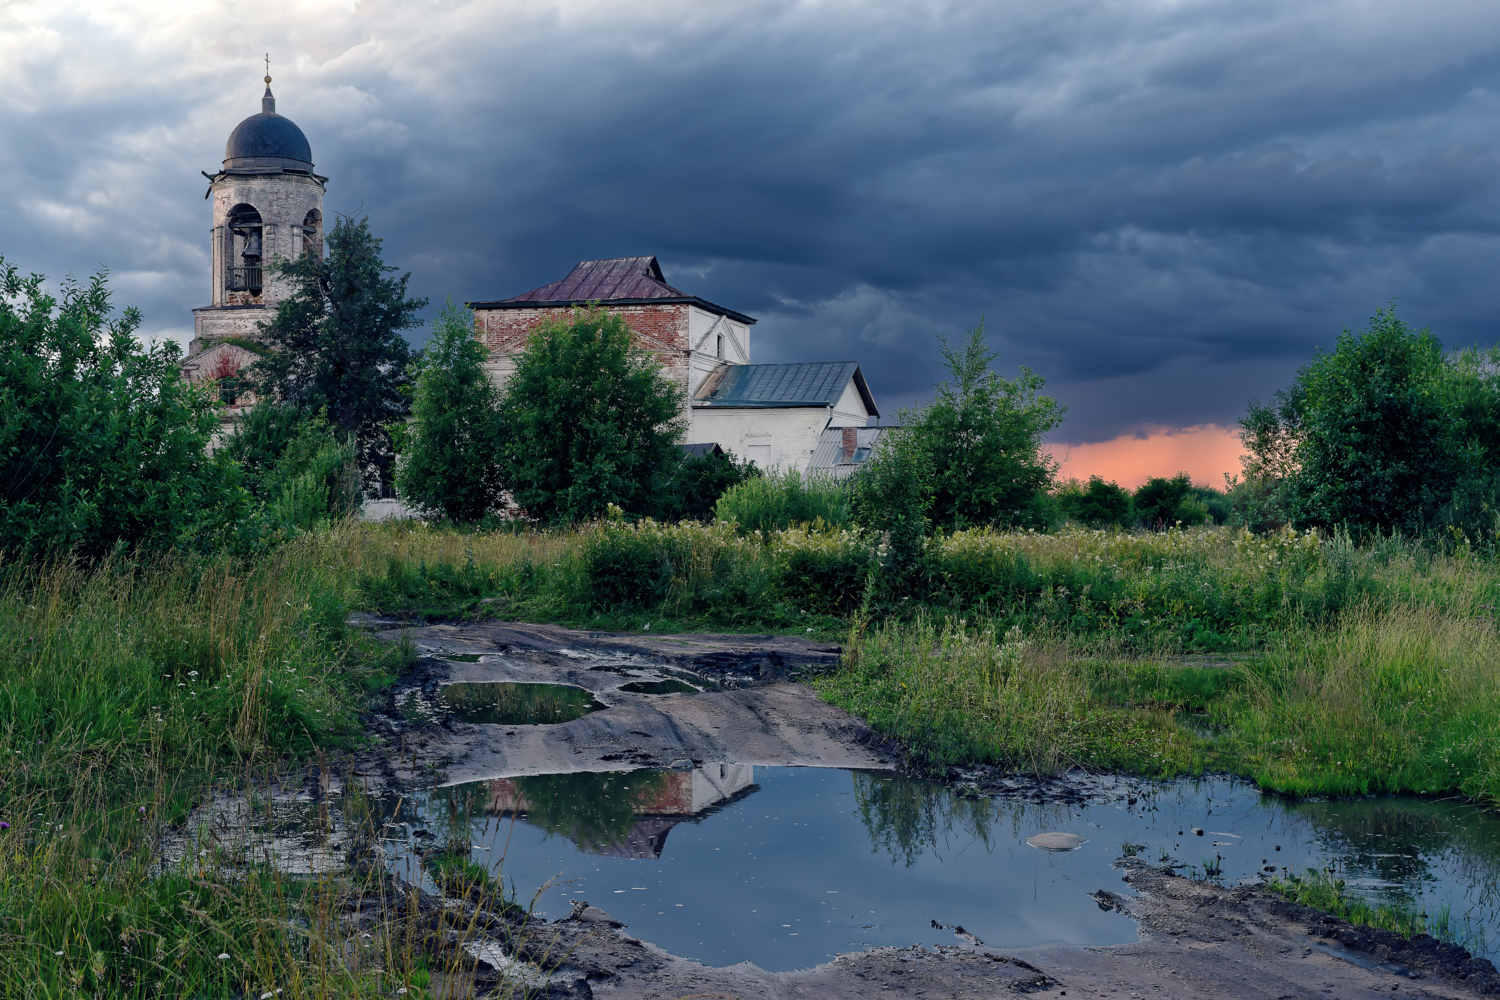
1161,207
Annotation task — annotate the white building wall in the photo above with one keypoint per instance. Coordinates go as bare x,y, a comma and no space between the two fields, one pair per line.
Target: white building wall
850,410
773,437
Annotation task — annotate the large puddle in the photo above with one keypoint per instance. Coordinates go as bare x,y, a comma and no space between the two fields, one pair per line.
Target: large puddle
785,867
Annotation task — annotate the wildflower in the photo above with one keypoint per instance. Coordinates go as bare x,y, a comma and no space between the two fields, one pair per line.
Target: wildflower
192,673
223,955
4,825
57,953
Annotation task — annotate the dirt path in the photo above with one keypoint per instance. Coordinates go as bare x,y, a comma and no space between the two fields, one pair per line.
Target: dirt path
1198,940
749,713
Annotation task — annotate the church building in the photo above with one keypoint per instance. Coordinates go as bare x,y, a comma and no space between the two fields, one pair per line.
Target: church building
776,415
267,201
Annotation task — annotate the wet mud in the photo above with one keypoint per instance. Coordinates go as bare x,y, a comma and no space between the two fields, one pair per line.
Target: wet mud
741,704
1198,939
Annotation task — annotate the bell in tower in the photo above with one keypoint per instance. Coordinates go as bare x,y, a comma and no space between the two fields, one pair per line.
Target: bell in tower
267,205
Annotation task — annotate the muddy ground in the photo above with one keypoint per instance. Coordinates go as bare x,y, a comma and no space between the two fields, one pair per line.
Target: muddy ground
1197,939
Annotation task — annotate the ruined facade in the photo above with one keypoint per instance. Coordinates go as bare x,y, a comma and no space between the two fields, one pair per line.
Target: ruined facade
773,414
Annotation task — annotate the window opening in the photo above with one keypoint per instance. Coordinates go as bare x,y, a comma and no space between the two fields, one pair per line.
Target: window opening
245,250
312,233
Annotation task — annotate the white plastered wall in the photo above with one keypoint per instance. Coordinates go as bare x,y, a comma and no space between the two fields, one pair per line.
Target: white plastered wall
774,437
704,330
850,410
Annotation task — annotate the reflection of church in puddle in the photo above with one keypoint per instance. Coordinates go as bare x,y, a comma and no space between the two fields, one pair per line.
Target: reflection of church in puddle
670,797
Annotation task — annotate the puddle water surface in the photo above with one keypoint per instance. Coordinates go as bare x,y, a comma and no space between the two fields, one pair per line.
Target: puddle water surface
514,704
786,867
659,687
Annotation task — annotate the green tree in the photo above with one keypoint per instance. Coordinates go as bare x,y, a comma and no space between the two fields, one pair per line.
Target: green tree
982,435
1382,433
450,452
102,443
1096,504
1162,502
893,494
336,343
698,484
588,421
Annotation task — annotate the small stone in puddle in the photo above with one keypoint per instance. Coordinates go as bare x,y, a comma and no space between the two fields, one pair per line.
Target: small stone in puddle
593,915
1056,841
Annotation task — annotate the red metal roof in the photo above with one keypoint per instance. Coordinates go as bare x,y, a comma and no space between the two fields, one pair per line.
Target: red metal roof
602,280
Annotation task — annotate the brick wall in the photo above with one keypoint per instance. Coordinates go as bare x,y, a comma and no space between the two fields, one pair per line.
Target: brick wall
660,330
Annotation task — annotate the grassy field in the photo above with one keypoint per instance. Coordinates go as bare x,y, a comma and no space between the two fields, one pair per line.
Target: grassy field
131,690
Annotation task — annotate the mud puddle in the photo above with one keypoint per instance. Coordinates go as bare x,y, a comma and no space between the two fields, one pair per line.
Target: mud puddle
510,704
788,867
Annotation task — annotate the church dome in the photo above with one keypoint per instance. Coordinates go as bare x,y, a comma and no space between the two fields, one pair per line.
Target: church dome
268,134
266,139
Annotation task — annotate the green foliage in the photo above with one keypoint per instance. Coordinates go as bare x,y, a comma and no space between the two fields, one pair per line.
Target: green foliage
699,483
1387,432
449,453
588,421
102,444
1322,891
1097,504
594,810
827,572
893,494
1161,503
777,499
336,343
296,464
982,437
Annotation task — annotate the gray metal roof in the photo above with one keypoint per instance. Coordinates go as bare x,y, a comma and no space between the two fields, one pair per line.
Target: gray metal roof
617,281
817,383
702,450
833,458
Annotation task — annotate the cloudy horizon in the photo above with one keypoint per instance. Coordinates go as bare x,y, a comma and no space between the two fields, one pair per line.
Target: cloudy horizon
1160,207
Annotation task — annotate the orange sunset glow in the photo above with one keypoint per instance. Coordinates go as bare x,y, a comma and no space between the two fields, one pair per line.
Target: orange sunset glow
1205,452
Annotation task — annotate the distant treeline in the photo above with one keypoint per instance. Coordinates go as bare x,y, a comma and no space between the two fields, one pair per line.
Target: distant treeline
104,447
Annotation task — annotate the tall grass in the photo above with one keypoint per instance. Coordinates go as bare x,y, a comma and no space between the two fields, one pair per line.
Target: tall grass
131,691
1402,698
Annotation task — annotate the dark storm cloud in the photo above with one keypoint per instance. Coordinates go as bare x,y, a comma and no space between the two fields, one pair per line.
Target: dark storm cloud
1161,207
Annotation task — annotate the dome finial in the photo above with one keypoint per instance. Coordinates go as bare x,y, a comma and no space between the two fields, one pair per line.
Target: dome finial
267,101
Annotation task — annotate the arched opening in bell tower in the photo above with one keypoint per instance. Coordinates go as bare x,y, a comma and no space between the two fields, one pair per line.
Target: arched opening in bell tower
312,233
245,250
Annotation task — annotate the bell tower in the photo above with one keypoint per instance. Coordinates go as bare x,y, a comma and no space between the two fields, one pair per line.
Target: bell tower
267,203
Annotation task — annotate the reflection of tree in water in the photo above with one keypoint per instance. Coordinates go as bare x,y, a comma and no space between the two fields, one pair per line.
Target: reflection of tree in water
1398,840
593,810
451,812
512,704
906,817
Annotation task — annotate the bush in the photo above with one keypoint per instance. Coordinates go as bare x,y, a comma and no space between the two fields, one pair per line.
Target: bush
892,495
297,465
630,565
449,455
1161,503
102,443
1098,504
698,484
826,572
777,500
